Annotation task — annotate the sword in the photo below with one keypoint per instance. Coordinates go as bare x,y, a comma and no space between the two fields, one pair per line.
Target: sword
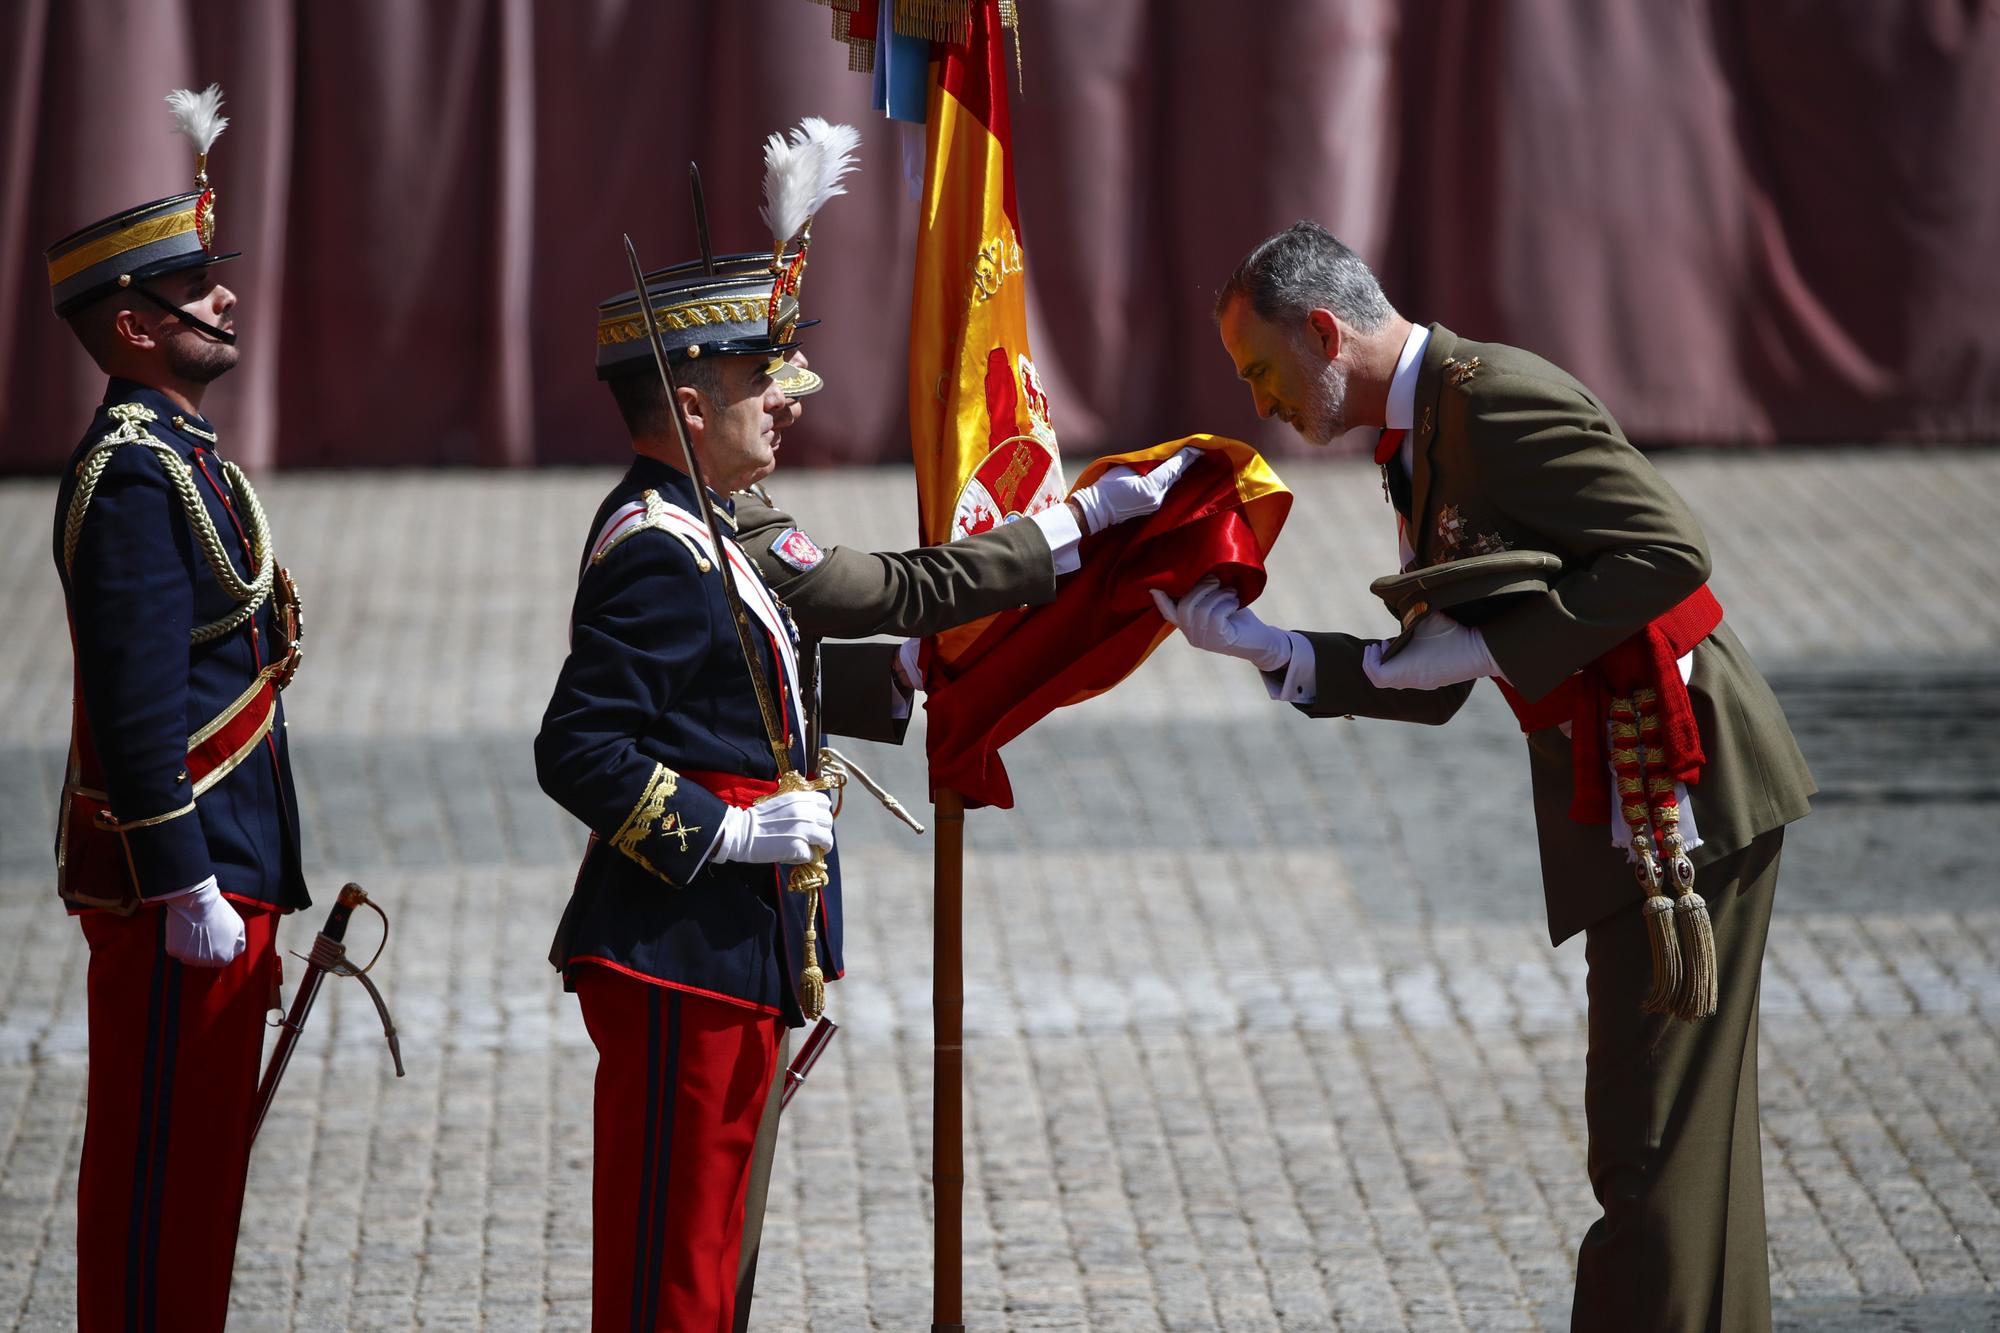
328,954
810,877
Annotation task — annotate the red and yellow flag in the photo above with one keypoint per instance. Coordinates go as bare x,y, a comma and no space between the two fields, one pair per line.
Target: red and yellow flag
980,427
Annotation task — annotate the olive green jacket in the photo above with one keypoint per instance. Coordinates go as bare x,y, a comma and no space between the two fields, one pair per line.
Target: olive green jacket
1509,452
850,594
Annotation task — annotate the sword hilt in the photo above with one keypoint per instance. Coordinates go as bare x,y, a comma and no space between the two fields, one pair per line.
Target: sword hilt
329,955
351,896
809,877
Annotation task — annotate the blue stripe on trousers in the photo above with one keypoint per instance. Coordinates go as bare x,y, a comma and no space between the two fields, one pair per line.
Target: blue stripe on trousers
641,1246
670,1073
170,1042
142,1152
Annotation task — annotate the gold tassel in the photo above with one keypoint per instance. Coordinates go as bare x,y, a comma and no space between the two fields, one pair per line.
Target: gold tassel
812,981
1658,910
1698,998
1699,994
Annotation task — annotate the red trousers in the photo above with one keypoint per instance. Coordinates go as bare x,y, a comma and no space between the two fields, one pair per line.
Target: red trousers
174,1054
681,1082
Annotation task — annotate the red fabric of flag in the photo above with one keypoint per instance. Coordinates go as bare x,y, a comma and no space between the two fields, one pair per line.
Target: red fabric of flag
1220,519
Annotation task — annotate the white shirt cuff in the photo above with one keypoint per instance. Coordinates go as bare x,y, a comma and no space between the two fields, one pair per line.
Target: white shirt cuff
1058,524
899,707
1299,682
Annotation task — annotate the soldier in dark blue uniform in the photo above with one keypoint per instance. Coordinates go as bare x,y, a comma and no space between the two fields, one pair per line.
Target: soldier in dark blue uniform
178,843
680,939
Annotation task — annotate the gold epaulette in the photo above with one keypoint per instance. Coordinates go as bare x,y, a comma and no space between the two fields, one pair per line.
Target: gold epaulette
654,519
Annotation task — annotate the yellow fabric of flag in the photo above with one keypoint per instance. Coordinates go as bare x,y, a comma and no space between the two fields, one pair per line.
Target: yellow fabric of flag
981,432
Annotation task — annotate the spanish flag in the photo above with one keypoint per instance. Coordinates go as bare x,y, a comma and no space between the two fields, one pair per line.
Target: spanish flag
980,425
1219,521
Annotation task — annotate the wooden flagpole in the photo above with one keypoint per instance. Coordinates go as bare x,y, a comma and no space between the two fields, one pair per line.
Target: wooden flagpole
948,1066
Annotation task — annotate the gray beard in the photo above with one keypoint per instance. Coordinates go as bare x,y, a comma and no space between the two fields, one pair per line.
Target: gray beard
1325,416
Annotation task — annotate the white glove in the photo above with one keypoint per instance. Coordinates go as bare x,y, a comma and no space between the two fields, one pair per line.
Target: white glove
781,831
1122,493
203,930
1213,621
1441,652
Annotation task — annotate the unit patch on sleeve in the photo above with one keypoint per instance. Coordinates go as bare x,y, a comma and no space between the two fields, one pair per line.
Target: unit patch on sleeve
797,550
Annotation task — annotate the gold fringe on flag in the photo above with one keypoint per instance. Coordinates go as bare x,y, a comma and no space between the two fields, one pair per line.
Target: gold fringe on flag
935,20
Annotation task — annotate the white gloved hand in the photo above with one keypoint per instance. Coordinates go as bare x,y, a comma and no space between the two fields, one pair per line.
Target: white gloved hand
1122,493
1441,652
907,674
781,831
1212,620
203,929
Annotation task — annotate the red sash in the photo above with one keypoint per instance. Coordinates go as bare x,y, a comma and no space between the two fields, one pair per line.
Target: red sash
1649,657
92,869
731,789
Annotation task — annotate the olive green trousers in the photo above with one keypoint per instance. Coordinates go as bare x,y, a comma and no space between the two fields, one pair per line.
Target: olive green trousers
1672,1111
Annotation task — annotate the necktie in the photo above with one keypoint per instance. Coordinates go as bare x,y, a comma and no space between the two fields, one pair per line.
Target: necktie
1395,483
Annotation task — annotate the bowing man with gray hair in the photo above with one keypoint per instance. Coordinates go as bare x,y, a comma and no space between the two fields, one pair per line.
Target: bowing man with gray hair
1542,551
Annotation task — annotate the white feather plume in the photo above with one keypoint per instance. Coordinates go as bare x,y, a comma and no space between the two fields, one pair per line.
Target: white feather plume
198,115
803,172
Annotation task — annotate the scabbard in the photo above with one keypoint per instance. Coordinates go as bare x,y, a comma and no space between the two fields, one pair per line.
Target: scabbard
810,1051
335,930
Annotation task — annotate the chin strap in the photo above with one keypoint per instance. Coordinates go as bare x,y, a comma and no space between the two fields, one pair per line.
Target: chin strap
207,329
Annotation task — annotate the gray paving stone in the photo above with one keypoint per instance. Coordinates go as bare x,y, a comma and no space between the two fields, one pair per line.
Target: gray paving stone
1264,1031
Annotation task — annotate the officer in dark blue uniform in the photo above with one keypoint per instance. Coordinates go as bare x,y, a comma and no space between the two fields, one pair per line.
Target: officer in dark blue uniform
681,940
178,843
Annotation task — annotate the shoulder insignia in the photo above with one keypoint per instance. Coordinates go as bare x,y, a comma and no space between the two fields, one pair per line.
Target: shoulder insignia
646,513
1457,372
797,550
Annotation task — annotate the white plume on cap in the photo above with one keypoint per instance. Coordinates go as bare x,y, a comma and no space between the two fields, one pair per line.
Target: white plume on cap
801,174
198,115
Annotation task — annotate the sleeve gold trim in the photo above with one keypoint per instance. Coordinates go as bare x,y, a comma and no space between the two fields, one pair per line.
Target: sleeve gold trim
127,825
649,817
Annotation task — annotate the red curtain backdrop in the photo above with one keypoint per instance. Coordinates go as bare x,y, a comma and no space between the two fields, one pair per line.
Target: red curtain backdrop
1737,222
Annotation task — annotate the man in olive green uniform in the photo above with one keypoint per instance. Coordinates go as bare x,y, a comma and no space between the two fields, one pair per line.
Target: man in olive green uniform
1489,449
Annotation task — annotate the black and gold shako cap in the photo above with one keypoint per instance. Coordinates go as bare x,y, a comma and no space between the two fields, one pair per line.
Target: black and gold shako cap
129,247
723,312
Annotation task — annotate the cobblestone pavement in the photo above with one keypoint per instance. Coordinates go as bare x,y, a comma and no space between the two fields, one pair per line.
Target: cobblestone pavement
1265,1031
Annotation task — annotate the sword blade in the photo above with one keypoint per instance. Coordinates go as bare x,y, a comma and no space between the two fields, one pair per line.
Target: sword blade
774,730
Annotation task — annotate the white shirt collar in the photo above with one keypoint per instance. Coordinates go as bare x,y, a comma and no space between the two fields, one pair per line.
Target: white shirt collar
1402,408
